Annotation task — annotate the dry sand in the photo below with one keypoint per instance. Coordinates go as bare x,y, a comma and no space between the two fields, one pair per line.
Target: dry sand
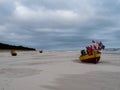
52,70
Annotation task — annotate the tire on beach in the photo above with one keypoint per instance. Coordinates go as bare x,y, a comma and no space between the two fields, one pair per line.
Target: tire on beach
83,52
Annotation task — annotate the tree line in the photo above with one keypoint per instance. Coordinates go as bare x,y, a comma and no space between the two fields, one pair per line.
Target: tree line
9,47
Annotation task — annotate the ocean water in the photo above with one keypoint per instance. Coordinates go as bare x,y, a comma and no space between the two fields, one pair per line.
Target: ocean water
112,50
107,50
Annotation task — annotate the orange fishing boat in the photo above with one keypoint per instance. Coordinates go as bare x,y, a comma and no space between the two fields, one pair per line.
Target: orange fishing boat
94,58
13,53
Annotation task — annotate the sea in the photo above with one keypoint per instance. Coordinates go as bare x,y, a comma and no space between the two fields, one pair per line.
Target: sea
106,50
111,50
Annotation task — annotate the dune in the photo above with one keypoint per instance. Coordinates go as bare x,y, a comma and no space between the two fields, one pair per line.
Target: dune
58,70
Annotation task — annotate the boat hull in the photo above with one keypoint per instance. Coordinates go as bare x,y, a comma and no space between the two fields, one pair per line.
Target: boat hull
14,54
94,58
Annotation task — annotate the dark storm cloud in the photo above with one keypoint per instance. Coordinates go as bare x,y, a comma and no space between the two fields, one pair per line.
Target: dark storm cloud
51,24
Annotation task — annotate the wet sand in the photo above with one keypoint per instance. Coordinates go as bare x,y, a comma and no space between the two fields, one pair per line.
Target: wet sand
61,70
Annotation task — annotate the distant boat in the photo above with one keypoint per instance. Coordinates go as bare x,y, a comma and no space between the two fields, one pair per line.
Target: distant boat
13,53
41,51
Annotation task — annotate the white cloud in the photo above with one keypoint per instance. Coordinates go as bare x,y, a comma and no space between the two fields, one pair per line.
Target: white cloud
26,13
55,16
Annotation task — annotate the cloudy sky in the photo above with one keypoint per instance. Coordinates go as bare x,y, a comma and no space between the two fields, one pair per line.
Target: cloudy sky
59,24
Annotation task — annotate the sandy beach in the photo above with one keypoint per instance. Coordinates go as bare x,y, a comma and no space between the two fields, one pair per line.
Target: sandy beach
58,70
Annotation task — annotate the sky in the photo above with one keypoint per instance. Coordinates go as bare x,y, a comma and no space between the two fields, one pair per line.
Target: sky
59,24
